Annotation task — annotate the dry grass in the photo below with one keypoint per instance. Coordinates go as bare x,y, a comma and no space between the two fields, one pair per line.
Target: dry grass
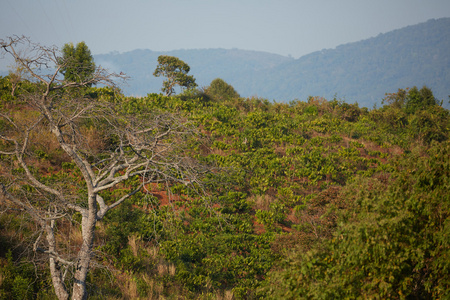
227,295
162,268
130,290
218,152
165,268
153,252
261,202
45,140
155,289
93,138
280,150
75,235
133,242
127,286
172,269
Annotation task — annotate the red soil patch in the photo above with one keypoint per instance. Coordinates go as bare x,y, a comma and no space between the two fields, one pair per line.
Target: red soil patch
162,195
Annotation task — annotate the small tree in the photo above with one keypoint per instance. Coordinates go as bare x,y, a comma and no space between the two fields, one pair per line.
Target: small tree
221,90
396,100
77,63
140,150
411,100
417,100
176,72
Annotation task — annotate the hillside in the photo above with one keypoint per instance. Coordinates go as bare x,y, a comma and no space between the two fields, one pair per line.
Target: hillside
209,195
356,72
317,200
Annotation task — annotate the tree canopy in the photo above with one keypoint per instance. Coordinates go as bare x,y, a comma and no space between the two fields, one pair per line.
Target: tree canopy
175,70
221,90
411,100
77,63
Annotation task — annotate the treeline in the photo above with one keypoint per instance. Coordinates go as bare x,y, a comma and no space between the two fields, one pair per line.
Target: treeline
315,199
361,71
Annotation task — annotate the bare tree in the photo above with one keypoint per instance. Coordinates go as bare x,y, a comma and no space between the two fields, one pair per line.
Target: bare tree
139,150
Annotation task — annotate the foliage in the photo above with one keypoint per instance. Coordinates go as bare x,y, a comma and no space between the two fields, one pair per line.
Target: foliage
219,89
417,100
396,100
430,124
77,61
19,277
16,283
411,100
175,70
390,242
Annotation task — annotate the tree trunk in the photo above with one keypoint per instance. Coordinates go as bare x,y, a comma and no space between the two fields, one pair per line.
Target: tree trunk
58,284
55,270
84,256
13,90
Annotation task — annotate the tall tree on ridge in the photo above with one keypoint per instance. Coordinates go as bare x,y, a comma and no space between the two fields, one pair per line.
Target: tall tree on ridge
176,72
77,62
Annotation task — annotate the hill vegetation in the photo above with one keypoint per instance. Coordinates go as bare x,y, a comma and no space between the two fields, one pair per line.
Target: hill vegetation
357,72
314,199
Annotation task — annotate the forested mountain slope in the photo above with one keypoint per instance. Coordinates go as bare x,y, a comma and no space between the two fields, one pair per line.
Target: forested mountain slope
357,72
365,70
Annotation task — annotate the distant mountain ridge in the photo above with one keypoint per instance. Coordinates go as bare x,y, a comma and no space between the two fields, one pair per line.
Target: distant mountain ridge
205,64
356,72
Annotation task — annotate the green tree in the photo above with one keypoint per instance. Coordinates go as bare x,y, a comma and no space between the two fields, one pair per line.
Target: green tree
77,63
219,89
419,99
396,100
411,100
430,124
176,72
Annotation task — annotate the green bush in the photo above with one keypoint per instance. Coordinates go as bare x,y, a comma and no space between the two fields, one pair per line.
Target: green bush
17,281
220,90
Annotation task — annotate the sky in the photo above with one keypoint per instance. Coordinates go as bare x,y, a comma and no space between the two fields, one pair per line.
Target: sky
287,27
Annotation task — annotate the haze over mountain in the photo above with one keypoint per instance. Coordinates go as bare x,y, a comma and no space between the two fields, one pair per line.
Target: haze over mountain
364,71
205,64
356,72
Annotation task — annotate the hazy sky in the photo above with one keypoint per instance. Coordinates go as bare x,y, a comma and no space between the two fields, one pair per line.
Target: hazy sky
287,27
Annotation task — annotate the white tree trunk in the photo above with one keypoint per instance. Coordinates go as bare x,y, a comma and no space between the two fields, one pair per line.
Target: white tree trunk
58,284
88,223
55,270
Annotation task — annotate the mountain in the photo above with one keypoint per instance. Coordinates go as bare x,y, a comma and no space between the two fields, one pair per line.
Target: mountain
356,72
364,71
205,64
